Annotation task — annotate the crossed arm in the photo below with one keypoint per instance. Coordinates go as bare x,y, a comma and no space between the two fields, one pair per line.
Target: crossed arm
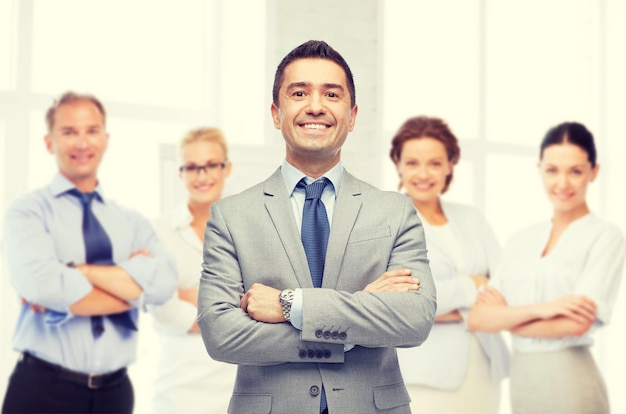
190,296
570,315
41,277
112,289
261,303
454,315
232,315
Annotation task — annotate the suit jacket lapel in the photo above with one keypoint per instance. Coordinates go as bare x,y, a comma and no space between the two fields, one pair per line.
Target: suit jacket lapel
346,212
280,211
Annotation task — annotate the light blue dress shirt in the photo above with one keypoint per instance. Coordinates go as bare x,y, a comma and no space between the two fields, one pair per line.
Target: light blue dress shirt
43,234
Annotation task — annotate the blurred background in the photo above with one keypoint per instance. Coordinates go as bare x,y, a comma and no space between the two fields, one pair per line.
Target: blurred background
501,72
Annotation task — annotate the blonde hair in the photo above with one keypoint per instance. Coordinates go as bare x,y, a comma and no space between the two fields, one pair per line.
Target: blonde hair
208,134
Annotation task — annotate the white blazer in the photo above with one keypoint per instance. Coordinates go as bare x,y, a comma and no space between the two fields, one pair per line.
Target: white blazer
442,361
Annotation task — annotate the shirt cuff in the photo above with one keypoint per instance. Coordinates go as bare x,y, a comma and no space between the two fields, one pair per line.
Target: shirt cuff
57,318
296,310
141,269
76,287
471,293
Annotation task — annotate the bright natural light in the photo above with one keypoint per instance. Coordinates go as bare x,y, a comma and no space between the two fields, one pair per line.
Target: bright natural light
499,72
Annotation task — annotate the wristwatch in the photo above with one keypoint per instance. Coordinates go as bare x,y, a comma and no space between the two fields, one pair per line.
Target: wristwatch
286,300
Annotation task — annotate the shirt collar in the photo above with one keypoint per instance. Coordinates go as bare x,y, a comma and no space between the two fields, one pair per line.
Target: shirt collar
180,216
61,185
292,176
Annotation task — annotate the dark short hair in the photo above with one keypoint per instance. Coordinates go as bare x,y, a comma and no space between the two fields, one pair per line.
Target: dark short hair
574,133
71,97
313,49
426,127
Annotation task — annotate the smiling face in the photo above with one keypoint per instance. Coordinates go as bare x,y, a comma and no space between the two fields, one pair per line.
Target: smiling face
423,168
78,140
566,171
204,186
314,113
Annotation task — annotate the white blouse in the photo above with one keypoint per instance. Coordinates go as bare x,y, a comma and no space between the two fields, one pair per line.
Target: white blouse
588,259
176,316
463,247
187,380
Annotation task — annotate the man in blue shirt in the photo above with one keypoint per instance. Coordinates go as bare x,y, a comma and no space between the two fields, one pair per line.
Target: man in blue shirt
76,332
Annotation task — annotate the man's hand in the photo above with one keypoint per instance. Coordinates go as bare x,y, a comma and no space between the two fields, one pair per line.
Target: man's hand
261,303
114,279
84,268
140,252
398,280
33,306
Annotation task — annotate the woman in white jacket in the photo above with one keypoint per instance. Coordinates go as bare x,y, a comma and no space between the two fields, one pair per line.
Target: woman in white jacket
188,381
454,371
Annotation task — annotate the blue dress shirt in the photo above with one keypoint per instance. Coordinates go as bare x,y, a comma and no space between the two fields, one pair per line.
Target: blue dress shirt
43,234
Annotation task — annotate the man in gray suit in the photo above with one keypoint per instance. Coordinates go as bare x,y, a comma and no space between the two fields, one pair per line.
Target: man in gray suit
301,348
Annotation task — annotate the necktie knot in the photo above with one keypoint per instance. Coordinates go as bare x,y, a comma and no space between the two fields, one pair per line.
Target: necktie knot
85,198
314,190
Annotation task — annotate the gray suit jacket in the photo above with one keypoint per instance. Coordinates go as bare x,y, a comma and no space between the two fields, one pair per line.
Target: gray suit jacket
253,237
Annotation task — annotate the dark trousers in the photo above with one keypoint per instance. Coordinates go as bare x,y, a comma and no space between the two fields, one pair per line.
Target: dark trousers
33,389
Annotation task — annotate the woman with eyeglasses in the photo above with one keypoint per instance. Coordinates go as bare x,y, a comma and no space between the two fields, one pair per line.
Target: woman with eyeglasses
187,380
555,285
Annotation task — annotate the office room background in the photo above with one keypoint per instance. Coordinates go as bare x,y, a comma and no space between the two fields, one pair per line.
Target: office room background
501,72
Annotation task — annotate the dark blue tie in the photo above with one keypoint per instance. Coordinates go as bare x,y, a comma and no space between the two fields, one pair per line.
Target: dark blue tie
315,229
314,234
98,251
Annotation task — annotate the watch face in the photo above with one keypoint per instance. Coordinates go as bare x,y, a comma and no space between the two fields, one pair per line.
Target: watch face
286,295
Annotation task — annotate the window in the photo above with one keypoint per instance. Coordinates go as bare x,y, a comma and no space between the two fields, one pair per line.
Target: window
160,68
8,51
540,68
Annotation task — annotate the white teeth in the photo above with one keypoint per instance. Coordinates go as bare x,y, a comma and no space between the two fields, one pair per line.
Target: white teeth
314,126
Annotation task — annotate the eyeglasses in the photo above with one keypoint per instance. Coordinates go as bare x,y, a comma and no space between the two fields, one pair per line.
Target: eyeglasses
210,167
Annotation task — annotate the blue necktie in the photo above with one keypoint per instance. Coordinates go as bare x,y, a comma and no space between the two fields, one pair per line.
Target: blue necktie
314,234
98,251
315,229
